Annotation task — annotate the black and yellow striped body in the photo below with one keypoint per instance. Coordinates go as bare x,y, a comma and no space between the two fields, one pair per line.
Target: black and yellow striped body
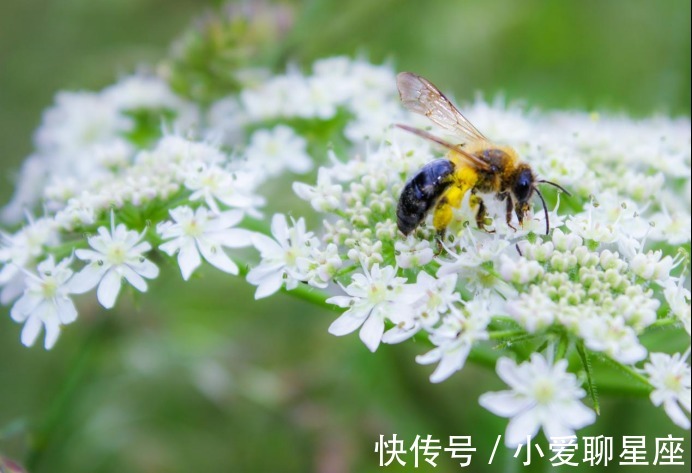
422,192
443,183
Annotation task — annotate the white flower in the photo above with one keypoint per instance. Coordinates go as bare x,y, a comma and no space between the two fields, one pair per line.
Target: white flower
413,253
212,184
612,336
141,91
455,338
323,197
519,271
280,256
678,298
670,377
272,151
321,266
19,251
115,255
652,266
534,310
79,120
437,297
373,297
198,234
542,395
475,251
45,302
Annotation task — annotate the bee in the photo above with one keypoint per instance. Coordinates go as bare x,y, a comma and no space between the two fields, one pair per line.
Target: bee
476,164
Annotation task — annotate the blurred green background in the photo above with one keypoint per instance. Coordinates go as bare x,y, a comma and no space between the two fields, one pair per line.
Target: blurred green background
199,376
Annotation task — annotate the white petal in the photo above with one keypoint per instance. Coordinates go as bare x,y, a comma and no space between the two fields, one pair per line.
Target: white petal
67,313
258,273
269,285
25,306
133,278
233,238
504,403
520,427
170,247
108,289
676,414
88,255
450,362
52,333
555,426
266,246
371,333
216,256
87,278
188,259
507,370
146,269
398,335
225,220
345,324
341,301
577,415
30,331
433,356
279,229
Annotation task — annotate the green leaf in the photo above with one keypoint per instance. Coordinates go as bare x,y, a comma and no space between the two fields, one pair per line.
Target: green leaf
590,383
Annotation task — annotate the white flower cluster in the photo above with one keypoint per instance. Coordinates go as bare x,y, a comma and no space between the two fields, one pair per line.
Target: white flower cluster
118,176
610,269
357,88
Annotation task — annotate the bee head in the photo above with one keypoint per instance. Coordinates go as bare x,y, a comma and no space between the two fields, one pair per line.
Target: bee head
523,187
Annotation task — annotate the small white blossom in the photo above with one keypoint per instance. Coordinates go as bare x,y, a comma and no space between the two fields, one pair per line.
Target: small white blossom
115,254
455,338
652,266
437,297
213,184
325,196
272,151
413,253
542,395
612,336
670,377
197,234
321,266
475,252
19,251
373,297
520,271
678,298
534,310
46,302
280,256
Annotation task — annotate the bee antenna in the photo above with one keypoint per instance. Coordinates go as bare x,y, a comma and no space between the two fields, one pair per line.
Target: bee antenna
543,181
545,209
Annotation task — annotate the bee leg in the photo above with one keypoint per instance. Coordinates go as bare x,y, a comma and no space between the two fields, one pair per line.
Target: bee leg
481,214
508,213
440,238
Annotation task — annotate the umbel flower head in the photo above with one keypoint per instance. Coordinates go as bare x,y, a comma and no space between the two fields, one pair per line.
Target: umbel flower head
117,195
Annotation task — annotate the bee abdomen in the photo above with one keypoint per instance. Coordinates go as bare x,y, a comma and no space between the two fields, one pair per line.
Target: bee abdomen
421,193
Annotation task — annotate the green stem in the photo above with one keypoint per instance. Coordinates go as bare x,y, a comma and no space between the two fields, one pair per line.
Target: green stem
60,408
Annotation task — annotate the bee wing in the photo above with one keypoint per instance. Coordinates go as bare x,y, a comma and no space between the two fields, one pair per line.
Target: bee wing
467,158
420,96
